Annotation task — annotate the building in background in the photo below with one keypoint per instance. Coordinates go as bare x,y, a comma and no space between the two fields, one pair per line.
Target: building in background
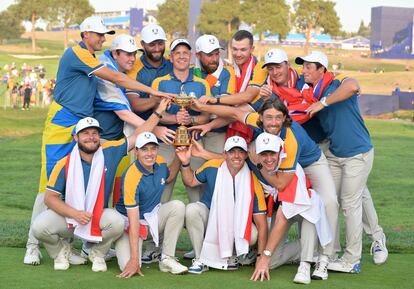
392,32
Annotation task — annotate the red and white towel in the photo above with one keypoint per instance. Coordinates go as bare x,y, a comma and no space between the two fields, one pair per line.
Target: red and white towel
90,200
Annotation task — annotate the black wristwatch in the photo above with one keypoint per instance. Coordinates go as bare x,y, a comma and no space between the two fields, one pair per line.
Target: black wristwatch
218,100
259,166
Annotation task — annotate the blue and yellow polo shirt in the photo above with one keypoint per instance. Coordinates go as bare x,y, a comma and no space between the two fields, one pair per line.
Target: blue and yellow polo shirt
75,82
145,73
193,84
299,147
141,188
207,174
113,152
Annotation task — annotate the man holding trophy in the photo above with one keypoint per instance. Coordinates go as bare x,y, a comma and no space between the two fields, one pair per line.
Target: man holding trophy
186,85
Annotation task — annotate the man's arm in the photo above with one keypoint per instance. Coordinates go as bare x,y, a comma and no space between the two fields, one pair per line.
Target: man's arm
348,88
187,174
133,267
55,203
139,104
222,111
128,83
242,97
261,224
149,124
280,180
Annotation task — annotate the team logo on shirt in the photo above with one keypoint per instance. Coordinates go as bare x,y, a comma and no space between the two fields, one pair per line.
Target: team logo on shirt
162,181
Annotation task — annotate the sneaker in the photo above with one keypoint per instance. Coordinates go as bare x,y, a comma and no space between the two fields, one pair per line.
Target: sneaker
108,256
189,255
321,268
62,259
149,257
249,258
98,263
170,264
233,263
303,274
32,256
341,265
76,259
197,267
379,250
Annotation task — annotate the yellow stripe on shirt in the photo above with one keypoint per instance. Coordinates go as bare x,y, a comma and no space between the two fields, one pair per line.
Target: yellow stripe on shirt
56,171
131,181
86,57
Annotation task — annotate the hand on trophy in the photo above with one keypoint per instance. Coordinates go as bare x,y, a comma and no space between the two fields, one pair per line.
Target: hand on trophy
183,117
183,153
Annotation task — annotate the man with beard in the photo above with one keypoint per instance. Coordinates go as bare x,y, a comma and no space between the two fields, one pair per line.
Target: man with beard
150,65
220,78
78,188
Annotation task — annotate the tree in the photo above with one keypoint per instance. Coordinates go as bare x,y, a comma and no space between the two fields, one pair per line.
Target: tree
314,14
363,30
266,15
220,18
10,25
32,10
68,13
173,16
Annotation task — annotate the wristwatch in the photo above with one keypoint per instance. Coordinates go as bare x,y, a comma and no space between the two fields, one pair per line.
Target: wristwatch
323,101
267,253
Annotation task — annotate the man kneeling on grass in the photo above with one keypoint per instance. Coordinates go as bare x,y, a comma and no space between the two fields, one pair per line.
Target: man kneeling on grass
140,204
231,214
75,197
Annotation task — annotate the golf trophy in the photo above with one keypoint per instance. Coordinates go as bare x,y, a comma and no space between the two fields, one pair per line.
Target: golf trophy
184,101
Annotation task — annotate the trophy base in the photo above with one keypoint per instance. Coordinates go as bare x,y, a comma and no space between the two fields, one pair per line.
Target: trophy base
182,137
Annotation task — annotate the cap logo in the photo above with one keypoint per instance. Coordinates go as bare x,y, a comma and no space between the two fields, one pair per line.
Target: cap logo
155,30
270,54
236,140
212,41
266,140
147,135
89,121
102,22
132,41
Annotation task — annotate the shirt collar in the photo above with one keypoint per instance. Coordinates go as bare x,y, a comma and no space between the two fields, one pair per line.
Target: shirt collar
143,170
82,44
189,78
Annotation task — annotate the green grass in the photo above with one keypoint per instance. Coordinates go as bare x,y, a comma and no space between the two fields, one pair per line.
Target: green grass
395,274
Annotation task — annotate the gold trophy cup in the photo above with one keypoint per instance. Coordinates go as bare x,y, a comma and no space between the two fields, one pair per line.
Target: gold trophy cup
182,138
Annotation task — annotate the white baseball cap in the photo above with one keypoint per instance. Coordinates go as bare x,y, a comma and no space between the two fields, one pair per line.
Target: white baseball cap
179,41
87,122
275,56
207,43
314,56
95,24
152,32
124,42
235,141
268,142
144,138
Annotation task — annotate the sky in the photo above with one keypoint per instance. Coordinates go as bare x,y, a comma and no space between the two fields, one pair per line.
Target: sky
351,12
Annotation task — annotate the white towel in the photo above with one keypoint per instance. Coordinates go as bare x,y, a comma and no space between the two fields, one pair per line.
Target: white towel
151,220
77,197
228,218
